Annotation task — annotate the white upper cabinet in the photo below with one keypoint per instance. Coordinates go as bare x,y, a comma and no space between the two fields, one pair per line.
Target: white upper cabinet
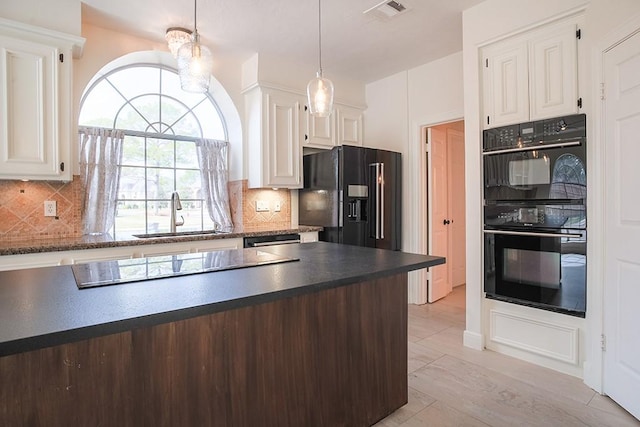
531,77
274,134
35,112
553,61
349,125
319,131
506,87
342,127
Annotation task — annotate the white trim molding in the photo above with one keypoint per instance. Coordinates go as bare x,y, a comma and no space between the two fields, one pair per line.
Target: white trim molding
535,336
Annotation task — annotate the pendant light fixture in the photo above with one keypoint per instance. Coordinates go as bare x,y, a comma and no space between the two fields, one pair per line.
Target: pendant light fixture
320,90
194,61
176,37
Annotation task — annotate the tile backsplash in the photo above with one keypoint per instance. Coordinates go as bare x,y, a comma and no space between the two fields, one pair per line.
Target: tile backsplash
243,207
22,209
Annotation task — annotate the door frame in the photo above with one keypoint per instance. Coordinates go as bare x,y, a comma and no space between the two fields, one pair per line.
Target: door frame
593,369
417,197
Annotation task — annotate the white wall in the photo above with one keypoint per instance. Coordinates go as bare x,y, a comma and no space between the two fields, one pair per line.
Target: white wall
399,106
490,21
386,117
59,15
280,72
436,92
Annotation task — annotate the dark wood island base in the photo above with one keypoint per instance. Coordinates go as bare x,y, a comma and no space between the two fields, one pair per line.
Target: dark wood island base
333,357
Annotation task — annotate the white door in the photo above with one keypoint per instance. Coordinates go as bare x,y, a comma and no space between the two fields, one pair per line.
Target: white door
457,242
621,379
440,283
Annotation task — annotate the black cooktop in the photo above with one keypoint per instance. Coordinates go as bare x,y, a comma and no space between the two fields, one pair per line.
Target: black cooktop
138,269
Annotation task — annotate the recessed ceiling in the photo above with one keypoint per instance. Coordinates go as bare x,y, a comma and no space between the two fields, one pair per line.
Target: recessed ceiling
354,45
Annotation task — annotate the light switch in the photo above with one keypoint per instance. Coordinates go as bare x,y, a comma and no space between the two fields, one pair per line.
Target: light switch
277,206
262,206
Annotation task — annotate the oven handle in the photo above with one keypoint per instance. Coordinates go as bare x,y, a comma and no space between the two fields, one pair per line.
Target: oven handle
274,243
533,234
534,148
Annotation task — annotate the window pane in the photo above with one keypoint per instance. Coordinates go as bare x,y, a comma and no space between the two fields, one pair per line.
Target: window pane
192,213
160,153
171,112
133,151
158,213
159,183
130,119
188,184
134,81
130,219
149,107
131,183
171,87
186,155
100,106
210,121
188,126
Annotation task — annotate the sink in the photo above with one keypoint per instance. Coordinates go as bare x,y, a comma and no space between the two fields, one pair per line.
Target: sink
178,233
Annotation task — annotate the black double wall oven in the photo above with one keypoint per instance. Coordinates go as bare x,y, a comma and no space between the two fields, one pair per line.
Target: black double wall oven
535,223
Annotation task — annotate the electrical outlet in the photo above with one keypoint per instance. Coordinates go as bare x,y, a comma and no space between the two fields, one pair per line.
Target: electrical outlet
262,206
49,208
277,206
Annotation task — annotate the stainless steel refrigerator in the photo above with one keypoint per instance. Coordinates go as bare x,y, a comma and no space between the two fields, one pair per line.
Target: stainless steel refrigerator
355,194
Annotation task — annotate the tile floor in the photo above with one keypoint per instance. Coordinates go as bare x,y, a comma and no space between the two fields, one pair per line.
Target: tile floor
450,385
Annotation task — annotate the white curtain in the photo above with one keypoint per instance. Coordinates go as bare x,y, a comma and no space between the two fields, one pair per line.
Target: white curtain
100,157
214,169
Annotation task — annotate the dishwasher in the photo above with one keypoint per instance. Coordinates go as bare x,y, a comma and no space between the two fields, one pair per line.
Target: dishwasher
279,239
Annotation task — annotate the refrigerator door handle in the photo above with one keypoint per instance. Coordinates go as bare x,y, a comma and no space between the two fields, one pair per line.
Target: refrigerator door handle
379,208
381,204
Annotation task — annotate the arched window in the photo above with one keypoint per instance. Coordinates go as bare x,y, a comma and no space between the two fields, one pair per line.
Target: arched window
161,124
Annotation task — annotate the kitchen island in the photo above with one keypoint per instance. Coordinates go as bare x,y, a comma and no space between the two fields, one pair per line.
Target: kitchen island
319,341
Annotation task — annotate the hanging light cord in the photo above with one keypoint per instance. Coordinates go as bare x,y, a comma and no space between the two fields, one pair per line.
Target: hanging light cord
320,36
195,16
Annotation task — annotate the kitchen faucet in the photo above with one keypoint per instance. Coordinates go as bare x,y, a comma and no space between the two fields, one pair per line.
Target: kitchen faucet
175,207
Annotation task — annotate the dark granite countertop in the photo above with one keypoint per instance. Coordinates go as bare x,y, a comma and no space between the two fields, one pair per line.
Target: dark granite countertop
96,242
42,307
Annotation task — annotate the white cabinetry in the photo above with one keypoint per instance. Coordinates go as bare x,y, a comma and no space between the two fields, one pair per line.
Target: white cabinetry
274,133
533,76
309,237
349,125
35,102
16,262
342,127
320,132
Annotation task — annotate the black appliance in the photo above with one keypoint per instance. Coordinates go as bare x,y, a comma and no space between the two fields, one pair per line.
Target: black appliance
355,194
535,214
274,240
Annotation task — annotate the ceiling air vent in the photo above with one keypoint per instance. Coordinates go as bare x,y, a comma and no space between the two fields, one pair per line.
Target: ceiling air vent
386,10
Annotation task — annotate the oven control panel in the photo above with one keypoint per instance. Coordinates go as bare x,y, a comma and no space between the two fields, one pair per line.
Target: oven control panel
534,134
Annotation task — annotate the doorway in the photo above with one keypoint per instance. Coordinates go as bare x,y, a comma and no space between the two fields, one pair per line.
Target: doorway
444,151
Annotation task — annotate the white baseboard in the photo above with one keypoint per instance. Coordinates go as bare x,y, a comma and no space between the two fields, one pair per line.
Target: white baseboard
473,340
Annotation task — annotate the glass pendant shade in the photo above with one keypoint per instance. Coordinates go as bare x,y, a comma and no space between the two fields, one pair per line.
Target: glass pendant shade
320,90
195,63
176,37
320,96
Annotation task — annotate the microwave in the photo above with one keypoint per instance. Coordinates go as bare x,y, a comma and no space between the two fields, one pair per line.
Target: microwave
543,161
